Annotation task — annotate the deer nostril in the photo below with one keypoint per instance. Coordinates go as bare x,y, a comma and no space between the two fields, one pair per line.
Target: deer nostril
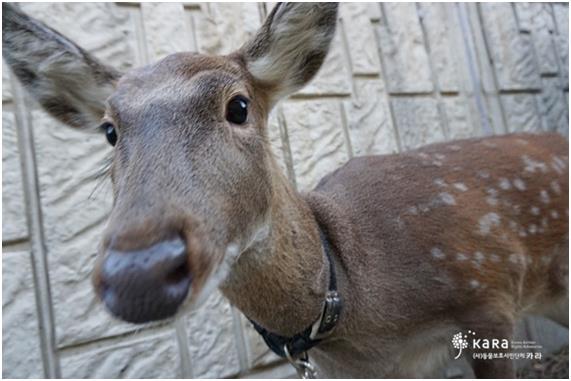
178,274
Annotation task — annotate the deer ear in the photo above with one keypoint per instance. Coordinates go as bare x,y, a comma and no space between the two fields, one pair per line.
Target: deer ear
67,81
290,47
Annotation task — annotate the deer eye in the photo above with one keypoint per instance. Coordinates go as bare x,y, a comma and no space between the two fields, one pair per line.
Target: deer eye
110,132
237,110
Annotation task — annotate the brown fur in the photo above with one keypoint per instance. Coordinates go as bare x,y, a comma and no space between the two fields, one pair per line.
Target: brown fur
449,237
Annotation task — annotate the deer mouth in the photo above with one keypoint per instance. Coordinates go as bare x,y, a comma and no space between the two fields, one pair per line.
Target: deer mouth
143,305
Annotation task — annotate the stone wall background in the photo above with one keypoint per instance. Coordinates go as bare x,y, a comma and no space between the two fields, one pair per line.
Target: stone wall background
398,76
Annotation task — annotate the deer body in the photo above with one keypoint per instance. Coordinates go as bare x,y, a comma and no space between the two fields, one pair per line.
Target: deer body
468,235
441,240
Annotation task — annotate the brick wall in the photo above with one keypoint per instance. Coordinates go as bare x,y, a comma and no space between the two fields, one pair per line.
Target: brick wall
398,76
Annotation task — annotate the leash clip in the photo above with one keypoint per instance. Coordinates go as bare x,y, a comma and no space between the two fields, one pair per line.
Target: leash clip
303,367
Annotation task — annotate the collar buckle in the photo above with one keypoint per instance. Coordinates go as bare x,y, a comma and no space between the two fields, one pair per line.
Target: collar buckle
325,325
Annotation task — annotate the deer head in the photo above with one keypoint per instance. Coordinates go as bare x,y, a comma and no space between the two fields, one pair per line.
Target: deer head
192,169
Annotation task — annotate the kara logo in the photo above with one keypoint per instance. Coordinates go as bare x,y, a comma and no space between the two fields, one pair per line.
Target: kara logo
462,341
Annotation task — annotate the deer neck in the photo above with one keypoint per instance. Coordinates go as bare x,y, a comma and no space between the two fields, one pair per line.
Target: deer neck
280,281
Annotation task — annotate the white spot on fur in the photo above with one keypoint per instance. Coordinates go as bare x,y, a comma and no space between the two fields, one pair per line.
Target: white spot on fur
494,258
440,182
513,225
488,222
492,198
517,209
558,165
519,184
439,156
455,147
461,257
423,155
532,229
447,198
544,224
514,258
522,232
505,184
478,259
437,253
555,186
474,283
532,165
488,143
461,187
535,210
444,279
484,174
554,214
522,142
413,210
544,197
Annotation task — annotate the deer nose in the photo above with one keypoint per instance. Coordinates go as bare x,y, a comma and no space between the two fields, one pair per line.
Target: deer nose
145,285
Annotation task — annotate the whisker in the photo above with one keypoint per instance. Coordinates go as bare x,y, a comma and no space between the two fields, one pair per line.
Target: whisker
101,175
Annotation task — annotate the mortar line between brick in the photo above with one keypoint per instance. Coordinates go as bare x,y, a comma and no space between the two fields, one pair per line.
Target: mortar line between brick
241,349
384,75
183,348
491,64
486,69
140,35
152,330
308,97
342,108
537,92
8,105
16,245
472,68
371,76
345,127
345,49
433,76
558,56
516,91
190,18
35,224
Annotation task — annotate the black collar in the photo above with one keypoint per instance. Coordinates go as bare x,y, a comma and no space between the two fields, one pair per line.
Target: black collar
323,326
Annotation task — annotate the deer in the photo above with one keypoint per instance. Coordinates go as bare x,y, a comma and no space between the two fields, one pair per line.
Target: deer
372,272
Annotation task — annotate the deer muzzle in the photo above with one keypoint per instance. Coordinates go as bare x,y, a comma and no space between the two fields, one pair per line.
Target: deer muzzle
144,285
